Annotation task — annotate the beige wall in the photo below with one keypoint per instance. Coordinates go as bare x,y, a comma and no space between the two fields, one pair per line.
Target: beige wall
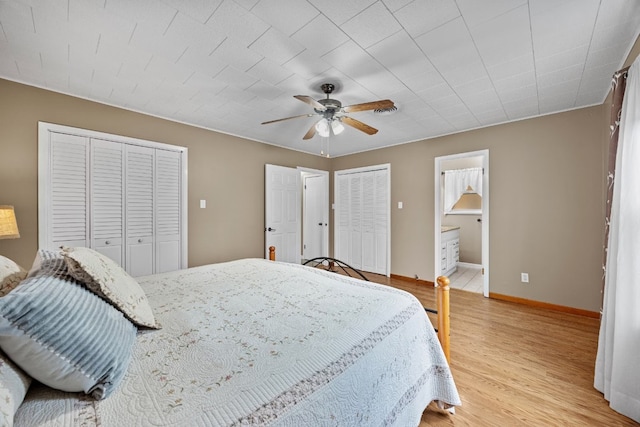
546,184
546,212
226,171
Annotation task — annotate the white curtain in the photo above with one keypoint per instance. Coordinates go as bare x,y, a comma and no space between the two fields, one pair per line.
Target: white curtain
617,372
456,182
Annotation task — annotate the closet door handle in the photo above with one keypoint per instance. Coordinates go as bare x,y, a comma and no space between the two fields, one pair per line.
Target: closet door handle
139,240
107,242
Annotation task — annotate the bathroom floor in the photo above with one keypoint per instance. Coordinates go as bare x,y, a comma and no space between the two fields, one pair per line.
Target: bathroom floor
467,278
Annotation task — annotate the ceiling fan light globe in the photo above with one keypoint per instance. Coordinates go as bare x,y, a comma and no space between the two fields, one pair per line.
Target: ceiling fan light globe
322,127
337,127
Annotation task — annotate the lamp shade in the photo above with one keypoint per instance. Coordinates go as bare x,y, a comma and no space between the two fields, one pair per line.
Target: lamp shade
8,225
469,200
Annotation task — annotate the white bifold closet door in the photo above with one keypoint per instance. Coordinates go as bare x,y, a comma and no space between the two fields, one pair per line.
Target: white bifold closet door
107,186
168,210
139,217
68,219
362,213
121,199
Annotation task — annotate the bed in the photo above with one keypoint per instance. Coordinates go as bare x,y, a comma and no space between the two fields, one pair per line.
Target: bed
257,342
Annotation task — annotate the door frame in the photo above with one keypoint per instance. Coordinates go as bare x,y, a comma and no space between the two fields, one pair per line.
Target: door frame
325,208
485,212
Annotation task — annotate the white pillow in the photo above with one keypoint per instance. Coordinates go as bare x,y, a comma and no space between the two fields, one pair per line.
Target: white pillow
107,279
11,274
13,387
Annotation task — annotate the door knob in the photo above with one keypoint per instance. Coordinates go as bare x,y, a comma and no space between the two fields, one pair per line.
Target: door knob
319,223
139,240
271,229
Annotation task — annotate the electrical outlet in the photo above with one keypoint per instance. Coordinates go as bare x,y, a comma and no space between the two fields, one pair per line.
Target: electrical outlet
524,277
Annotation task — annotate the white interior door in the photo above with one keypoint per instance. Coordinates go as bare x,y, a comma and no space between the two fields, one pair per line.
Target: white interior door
282,212
315,224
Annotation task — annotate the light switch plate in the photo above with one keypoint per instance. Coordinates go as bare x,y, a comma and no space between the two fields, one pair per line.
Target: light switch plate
203,204
399,205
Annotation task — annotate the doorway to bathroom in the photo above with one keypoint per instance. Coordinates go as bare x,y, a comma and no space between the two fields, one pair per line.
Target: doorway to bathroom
461,220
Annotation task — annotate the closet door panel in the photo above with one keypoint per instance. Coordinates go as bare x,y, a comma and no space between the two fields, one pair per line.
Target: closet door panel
107,186
168,210
69,166
381,214
368,222
139,209
342,219
140,258
355,229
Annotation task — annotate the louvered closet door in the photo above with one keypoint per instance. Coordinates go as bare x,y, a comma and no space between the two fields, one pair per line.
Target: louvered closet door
168,210
381,218
68,222
107,185
343,219
355,226
362,215
139,209
368,221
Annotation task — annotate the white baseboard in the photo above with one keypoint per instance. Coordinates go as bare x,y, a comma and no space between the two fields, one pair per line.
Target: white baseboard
469,265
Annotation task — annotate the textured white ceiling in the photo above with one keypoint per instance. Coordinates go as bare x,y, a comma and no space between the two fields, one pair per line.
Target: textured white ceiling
228,65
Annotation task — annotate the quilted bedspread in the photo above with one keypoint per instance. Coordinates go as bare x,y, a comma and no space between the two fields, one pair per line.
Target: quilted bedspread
255,342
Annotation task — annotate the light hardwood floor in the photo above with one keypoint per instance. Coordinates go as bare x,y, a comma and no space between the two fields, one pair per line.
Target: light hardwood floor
516,365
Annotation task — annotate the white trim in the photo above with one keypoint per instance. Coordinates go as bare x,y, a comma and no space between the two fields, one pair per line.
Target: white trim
52,127
469,265
485,212
44,167
465,212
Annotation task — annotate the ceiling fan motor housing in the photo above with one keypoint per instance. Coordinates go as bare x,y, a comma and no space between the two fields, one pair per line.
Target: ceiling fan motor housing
331,106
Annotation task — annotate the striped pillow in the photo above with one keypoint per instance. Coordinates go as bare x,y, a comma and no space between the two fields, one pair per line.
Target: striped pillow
63,335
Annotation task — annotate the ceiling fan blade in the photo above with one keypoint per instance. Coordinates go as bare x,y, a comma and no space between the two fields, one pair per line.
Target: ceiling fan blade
311,132
287,118
309,100
359,125
375,105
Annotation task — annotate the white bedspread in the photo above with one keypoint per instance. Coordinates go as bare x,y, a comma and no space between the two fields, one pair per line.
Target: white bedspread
254,342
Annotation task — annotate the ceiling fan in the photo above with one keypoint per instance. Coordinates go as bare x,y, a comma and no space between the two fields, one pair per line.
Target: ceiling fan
333,114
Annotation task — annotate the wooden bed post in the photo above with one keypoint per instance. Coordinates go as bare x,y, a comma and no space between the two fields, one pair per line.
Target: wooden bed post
272,253
442,299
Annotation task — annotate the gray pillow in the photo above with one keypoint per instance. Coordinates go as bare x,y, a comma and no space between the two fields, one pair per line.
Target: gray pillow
63,335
